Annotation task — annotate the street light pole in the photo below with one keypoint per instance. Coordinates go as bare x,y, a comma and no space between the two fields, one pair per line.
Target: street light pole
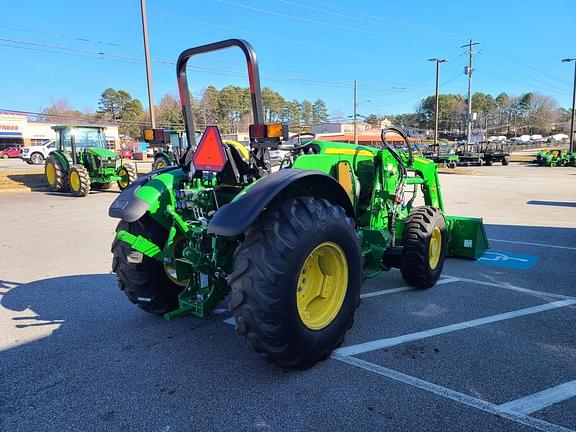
571,145
469,69
436,110
147,59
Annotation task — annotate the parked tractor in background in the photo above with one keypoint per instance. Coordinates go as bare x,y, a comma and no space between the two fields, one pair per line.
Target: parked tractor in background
552,158
290,248
81,161
173,144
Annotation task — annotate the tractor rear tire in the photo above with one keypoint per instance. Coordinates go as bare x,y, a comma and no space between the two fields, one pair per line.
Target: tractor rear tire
128,175
55,174
424,243
143,279
79,181
271,298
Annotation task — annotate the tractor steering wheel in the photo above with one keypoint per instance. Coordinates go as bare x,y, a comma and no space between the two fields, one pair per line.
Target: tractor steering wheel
297,141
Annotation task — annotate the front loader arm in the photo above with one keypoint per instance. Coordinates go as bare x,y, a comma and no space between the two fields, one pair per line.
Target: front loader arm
428,172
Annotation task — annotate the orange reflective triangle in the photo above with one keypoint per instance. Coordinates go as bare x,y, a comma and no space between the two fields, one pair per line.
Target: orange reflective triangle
210,155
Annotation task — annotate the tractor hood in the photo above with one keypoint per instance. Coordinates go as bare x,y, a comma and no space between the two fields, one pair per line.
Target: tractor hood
102,153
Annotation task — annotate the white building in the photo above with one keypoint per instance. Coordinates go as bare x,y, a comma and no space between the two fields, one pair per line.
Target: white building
339,128
18,130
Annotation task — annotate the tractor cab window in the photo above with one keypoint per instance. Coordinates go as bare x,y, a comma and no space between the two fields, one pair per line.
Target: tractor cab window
85,137
66,140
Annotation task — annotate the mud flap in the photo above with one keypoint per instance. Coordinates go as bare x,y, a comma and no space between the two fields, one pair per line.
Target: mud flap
466,237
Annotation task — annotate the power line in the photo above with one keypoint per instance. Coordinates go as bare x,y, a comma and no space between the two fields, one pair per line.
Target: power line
307,20
74,38
378,22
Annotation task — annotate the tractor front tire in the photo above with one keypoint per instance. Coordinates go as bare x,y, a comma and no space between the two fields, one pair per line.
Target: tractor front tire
424,243
296,282
160,162
144,279
128,175
79,181
505,161
55,174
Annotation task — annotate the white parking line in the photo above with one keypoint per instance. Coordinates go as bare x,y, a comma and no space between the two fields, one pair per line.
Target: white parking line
388,342
453,395
516,288
534,244
541,400
404,288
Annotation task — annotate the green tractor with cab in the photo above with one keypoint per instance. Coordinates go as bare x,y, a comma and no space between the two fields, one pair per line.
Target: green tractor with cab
81,161
290,248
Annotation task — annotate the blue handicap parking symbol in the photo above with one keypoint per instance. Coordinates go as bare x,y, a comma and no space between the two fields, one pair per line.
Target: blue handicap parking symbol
508,260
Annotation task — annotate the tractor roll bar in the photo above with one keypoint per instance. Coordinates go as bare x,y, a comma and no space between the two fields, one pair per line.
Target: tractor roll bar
253,76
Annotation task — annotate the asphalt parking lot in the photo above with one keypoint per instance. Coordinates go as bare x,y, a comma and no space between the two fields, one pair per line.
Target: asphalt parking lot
491,347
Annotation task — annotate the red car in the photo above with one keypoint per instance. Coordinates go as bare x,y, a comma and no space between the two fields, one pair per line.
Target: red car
126,153
10,152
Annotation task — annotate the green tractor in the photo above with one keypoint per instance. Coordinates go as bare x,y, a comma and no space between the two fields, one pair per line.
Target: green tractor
173,145
82,161
552,158
290,248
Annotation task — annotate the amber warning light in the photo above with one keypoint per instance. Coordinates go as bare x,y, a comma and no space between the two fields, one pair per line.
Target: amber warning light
210,155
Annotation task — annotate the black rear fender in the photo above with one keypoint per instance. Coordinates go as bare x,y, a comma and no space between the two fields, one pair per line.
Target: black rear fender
234,218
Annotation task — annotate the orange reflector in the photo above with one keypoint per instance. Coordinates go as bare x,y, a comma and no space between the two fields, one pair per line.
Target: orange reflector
148,135
210,155
275,130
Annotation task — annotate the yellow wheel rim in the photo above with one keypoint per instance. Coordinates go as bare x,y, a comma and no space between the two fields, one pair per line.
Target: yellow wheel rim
160,164
74,181
124,181
435,248
51,173
322,286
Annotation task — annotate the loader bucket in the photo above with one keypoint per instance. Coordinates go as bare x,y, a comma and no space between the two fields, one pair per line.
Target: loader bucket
466,237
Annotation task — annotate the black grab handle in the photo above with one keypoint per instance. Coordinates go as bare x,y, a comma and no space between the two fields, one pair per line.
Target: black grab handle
253,76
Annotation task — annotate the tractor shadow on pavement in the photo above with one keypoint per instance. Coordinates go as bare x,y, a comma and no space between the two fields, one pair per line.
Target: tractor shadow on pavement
36,182
79,353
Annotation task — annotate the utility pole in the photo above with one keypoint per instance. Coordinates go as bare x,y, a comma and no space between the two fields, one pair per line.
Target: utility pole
468,71
436,110
147,58
355,114
571,144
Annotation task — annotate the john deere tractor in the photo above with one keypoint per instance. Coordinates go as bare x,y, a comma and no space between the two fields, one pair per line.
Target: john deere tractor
290,249
172,144
82,161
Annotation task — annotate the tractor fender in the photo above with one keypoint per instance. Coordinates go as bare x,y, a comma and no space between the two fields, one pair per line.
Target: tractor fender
64,161
128,206
235,217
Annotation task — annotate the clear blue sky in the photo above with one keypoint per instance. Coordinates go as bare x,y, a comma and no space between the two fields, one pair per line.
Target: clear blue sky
307,49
